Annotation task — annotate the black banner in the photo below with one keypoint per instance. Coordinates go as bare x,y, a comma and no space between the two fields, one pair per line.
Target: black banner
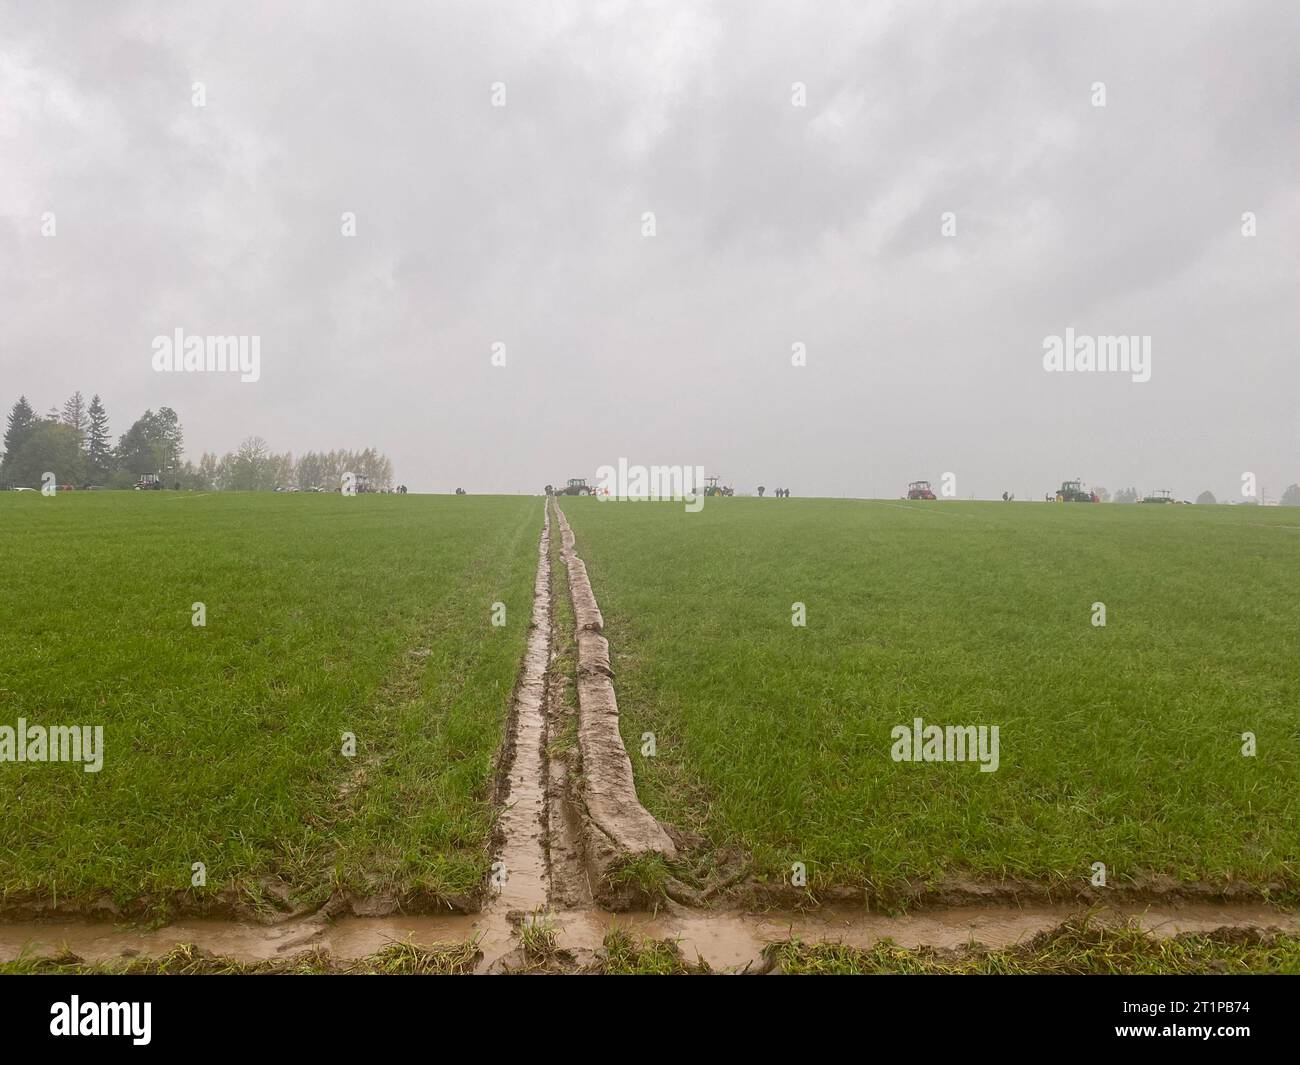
149,1014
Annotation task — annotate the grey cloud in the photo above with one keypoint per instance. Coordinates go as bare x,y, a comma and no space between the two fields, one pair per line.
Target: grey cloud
775,224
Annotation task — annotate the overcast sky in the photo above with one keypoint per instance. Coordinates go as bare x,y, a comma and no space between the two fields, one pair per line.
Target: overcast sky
775,225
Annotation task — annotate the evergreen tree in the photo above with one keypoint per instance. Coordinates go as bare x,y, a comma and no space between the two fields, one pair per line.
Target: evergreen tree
74,414
22,420
99,447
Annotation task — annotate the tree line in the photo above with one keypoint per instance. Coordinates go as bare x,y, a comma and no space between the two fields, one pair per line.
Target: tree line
74,443
1290,497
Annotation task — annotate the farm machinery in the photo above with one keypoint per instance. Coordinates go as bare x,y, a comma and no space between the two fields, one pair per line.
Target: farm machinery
714,489
1162,495
920,490
149,482
1074,492
577,486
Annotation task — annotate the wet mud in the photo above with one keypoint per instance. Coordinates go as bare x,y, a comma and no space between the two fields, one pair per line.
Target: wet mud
727,941
520,878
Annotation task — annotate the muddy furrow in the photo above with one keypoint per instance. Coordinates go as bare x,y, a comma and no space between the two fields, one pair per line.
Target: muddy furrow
571,886
520,878
728,941
619,825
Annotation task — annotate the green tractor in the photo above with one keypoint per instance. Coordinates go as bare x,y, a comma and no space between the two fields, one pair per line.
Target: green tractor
577,486
1162,495
1074,492
714,489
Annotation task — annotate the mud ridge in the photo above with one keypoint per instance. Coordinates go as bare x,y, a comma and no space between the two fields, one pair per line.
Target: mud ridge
618,826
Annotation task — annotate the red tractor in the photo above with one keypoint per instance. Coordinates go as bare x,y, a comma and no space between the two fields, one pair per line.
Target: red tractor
920,490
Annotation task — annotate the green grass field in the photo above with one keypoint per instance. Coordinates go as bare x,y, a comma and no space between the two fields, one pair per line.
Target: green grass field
1120,744
223,744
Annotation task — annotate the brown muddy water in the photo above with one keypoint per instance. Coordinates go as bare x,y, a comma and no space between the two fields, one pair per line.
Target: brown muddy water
728,941
520,879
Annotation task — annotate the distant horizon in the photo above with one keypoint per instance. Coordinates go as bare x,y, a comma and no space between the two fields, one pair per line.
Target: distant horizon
1268,491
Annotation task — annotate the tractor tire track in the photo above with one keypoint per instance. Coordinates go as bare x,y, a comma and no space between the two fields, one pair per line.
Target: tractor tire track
617,825
520,877
570,878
